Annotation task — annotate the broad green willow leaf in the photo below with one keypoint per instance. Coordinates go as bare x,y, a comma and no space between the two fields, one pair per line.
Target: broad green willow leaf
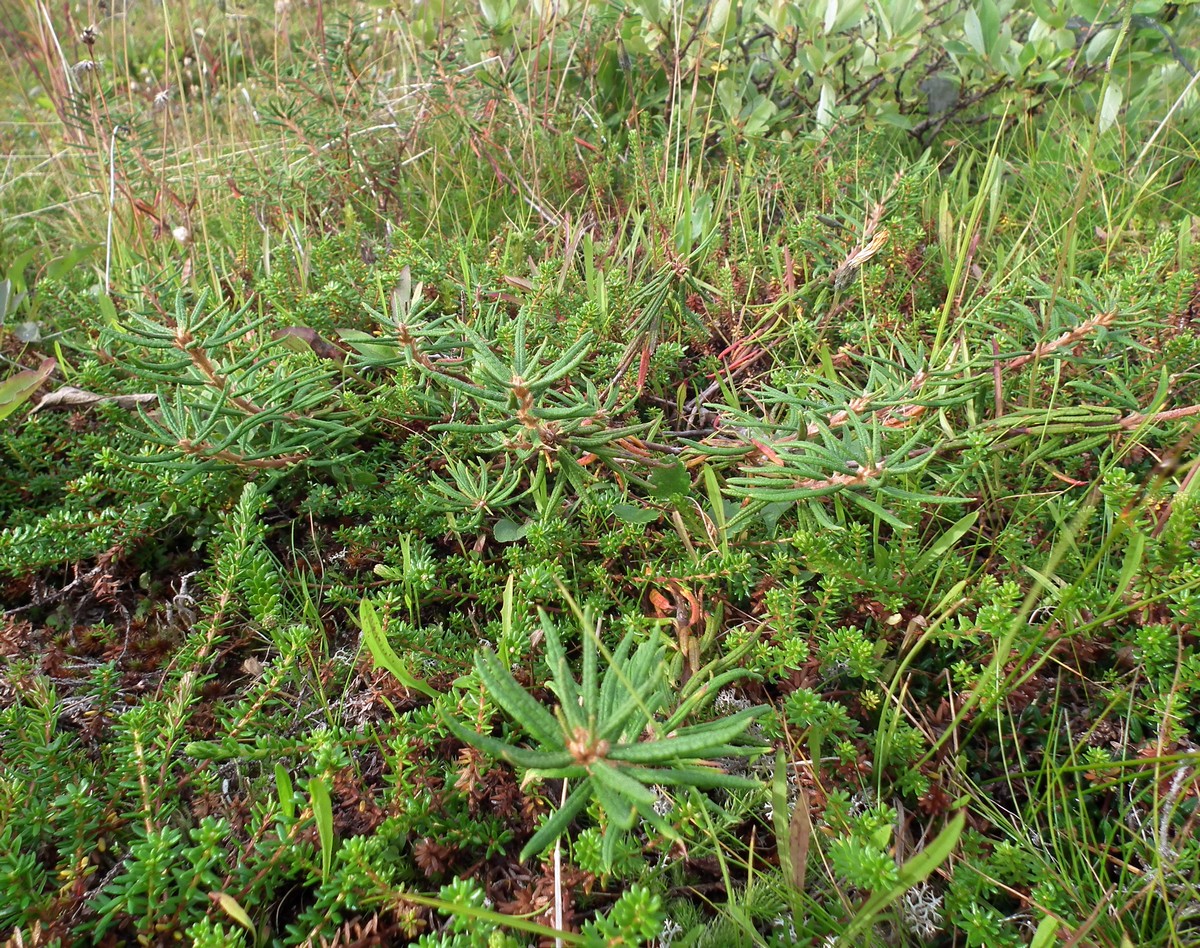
382,652
17,389
318,794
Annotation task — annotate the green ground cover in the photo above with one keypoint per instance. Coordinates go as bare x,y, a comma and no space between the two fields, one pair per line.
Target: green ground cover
609,474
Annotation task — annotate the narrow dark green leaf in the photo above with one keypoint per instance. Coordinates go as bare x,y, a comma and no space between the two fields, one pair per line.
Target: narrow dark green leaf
689,743
591,685
703,778
621,781
564,682
519,703
621,810
517,756
557,824
608,687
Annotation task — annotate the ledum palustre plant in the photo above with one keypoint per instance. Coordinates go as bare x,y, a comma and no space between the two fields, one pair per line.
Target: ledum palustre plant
615,733
229,390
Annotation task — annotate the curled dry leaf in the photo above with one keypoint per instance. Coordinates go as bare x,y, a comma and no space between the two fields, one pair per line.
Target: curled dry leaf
71,397
298,337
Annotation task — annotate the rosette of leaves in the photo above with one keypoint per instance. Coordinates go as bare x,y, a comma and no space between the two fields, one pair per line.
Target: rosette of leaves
409,333
530,402
609,734
473,490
